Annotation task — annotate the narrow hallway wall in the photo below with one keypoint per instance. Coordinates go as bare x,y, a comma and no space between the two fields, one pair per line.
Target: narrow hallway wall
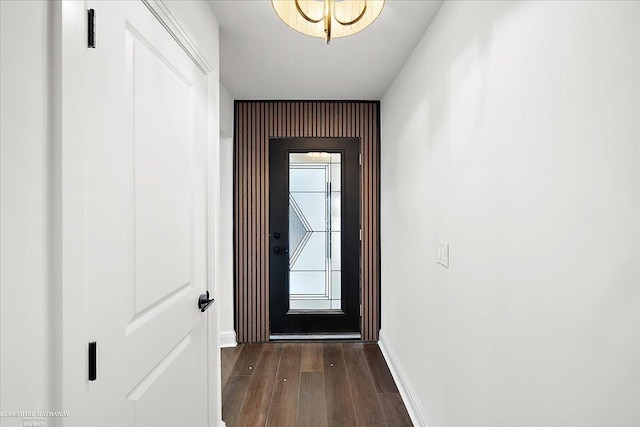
512,134
255,123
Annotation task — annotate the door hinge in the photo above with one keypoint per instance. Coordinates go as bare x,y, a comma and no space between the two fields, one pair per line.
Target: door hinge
360,159
91,28
360,310
93,349
361,234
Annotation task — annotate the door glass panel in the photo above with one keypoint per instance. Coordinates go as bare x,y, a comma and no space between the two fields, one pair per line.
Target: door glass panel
314,231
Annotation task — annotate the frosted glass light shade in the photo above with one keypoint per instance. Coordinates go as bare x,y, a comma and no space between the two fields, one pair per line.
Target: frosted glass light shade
328,19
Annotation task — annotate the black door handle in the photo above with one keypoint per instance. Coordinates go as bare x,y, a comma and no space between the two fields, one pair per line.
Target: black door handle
204,302
279,250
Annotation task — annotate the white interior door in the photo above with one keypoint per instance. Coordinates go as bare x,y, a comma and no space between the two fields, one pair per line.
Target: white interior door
145,223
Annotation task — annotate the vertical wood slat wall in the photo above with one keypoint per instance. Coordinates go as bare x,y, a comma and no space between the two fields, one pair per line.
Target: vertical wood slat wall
255,123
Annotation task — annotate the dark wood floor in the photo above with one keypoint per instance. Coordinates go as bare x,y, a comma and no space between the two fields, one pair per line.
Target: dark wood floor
309,384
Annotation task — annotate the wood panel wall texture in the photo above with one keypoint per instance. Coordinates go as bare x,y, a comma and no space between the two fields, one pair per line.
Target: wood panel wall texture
255,123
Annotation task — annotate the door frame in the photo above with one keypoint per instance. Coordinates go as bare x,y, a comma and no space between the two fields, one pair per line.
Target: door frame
68,285
349,147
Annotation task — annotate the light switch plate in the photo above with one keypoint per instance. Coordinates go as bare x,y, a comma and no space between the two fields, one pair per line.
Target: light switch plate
443,254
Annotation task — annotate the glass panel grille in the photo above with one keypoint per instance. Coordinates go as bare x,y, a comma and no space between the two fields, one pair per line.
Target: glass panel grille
314,231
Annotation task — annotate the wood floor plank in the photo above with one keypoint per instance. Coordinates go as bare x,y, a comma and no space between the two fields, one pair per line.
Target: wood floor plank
233,395
394,410
379,370
363,391
343,392
256,403
270,346
312,357
247,360
284,401
340,410
312,408
228,358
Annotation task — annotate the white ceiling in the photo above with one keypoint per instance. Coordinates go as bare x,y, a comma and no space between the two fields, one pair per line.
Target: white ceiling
262,58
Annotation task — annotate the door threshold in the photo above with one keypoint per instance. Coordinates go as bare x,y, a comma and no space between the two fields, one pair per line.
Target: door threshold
336,336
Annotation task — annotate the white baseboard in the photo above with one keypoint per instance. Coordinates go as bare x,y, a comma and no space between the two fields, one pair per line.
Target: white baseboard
404,386
228,339
221,424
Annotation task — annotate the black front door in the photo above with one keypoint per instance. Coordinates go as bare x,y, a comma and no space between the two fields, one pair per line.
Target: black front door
314,239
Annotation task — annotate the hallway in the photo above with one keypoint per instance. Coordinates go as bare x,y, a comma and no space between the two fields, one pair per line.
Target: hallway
309,384
454,189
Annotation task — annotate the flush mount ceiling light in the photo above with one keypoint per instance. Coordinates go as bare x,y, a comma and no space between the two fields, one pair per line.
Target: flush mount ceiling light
328,19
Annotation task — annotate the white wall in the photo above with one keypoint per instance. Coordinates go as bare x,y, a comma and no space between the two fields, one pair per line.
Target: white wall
26,338
225,295
226,112
513,133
